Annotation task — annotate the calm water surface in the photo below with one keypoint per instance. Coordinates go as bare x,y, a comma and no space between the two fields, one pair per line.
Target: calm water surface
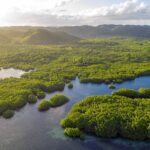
11,72
33,130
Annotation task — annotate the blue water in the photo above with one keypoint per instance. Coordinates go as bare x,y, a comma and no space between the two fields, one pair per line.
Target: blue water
33,130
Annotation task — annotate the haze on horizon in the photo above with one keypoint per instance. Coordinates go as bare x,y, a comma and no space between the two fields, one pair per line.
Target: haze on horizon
73,12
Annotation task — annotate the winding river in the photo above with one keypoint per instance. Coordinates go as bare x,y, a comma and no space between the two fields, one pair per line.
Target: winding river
33,130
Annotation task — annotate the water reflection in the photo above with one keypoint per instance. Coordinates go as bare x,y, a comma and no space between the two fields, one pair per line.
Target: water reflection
11,72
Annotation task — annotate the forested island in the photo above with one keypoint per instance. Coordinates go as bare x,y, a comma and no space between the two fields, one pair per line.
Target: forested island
125,114
55,101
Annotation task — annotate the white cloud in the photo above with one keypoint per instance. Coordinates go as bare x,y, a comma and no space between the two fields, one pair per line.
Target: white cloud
6,6
11,10
130,11
51,12
129,7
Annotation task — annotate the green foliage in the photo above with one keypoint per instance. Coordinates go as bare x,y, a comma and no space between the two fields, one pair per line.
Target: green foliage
100,60
141,93
106,127
40,94
144,92
126,92
110,116
74,133
70,85
43,105
111,86
32,99
58,100
8,114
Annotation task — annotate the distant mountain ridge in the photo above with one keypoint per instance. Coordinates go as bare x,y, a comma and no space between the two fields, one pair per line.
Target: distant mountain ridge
68,34
106,30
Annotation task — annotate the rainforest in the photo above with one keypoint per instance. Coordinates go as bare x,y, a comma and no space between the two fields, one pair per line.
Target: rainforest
50,68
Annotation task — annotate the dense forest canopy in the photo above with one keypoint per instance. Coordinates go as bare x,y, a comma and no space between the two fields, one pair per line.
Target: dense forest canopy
109,116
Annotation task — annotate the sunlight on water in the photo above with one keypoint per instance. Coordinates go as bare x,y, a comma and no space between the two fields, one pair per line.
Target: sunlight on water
11,72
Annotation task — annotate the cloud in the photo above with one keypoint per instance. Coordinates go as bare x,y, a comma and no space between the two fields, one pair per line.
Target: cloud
45,18
7,6
128,12
129,9
60,3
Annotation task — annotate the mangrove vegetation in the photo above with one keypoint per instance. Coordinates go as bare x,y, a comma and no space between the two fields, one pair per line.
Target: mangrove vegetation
100,60
54,101
58,100
109,117
43,105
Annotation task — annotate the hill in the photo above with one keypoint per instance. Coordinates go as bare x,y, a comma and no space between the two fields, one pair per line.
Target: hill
33,35
106,31
68,34
42,36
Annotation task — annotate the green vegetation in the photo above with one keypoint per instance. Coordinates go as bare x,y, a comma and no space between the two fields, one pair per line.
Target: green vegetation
58,100
126,92
141,93
110,116
74,133
40,94
111,86
70,85
57,35
43,105
102,60
34,36
8,114
55,101
144,92
109,60
32,99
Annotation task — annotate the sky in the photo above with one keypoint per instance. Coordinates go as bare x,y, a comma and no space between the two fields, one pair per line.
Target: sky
73,12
